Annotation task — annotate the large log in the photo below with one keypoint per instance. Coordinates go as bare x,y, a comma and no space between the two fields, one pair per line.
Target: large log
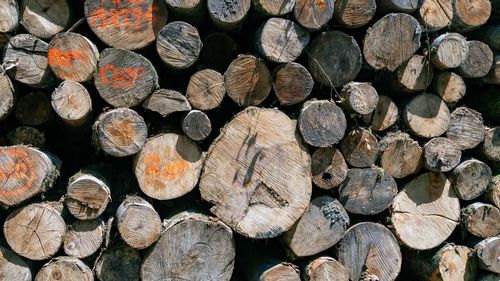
166,102
228,15
470,179
449,86
65,268
435,14
328,167
45,18
7,95
9,12
324,269
118,262
257,174
470,14
14,267
206,89
479,61
385,114
274,7
292,83
84,238
34,109
481,219
441,154
360,148
487,253
321,123
359,98
354,13
179,45
72,103
401,156
449,50
199,248
427,116
425,212
313,14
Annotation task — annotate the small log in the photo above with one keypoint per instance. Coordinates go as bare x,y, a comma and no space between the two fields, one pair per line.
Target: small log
401,156
84,238
470,14
367,191
312,14
492,194
427,116
325,269
88,195
487,252
328,167
9,13
45,18
72,56
370,249
14,267
384,115
72,103
124,78
196,125
436,14
334,58
129,25
330,222
206,89
168,166
479,61
118,262
449,86
25,135
354,13
391,41
493,76
266,174
274,7
25,59
448,262
281,40
219,50
203,244
321,123
189,10
359,98
120,132
412,76
35,231
481,219
248,80
292,83
34,109
270,270
441,154
404,6
360,148
65,268
425,212
466,128
491,144
228,15
470,179
449,50
24,173
166,102
7,94
138,222
179,45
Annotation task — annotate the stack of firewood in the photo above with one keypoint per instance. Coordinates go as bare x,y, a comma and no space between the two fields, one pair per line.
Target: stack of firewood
274,140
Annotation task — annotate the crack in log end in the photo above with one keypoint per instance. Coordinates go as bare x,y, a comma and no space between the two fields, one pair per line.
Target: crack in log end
265,195
333,214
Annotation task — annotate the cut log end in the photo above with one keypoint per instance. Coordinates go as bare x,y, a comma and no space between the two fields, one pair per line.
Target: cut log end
274,7
292,83
312,14
449,50
360,148
14,267
7,95
427,116
487,252
72,103
470,179
166,102
84,238
87,196
470,14
322,123
478,62
329,168
9,12
401,156
206,89
45,18
385,114
354,13
228,15
449,86
325,268
65,268
360,98
435,14
179,45
481,219
196,125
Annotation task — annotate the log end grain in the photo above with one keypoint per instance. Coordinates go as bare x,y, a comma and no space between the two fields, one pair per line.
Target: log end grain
324,268
328,167
87,196
179,45
206,89
487,252
196,125
312,14
72,103
470,14
385,114
491,144
274,7
413,76
401,156
321,123
65,268
14,267
354,13
449,50
7,95
228,15
9,12
481,219
360,148
292,83
466,128
84,238
449,86
427,116
45,18
166,102
435,14
360,98
441,154
478,62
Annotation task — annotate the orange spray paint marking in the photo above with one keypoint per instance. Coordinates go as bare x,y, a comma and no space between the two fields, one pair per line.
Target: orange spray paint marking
152,165
123,77
66,58
170,170
321,4
19,169
123,17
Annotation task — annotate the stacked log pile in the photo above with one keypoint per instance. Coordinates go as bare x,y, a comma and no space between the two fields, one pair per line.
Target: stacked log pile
250,140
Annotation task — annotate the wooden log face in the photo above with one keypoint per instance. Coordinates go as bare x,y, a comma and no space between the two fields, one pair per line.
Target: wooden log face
45,18
265,184
493,192
441,155
436,14
360,148
313,14
479,61
228,14
84,238
466,128
87,196
330,220
283,271
65,268
324,268
35,231
370,248
124,78
449,50
275,7
354,13
427,116
401,155
384,115
329,168
360,98
470,179
7,95
449,86
24,173
391,41
166,102
334,58
168,166
206,89
127,24
487,252
322,123
413,76
72,103
118,262
196,125
481,219
179,45
292,83
426,211
13,267
470,14
9,12
72,56
491,144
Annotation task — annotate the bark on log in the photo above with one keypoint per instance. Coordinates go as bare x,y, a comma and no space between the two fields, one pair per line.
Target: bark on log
34,109
24,173
321,123
479,61
324,269
265,185
441,154
124,78
7,94
228,15
25,59
404,6
219,50
354,13
166,102
118,262
436,14
124,24
481,219
466,128
9,13
330,222
367,191
189,10
72,103
359,98
45,18
391,41
196,125
84,238
292,83
493,193
72,56
14,267
35,231
312,14
328,167
138,222
487,253
25,135
425,212
470,14
274,7
120,132
281,40
449,50
334,58
206,89
360,148
427,116
65,268
470,179
449,86
384,115
370,249
88,195
179,45
168,166
248,80
199,248
401,156
493,76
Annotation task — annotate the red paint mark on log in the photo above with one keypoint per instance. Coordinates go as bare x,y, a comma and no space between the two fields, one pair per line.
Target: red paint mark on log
122,77
123,17
19,168
66,57
170,170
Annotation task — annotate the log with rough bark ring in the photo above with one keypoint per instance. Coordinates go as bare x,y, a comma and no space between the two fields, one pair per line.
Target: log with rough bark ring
470,179
359,98
478,62
88,195
45,18
487,253
449,50
481,219
228,15
491,144
441,154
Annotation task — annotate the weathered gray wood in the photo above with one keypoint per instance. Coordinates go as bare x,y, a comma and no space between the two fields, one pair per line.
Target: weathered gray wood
45,18
487,253
466,128
324,269
196,125
492,194
384,115
481,219
72,103
14,267
412,76
166,102
274,7
427,116
470,179
7,95
26,135
65,268
118,262
401,156
313,14
269,270
479,61
228,15
449,86
360,148
359,98
441,154
405,6
292,83
84,238
354,13
179,45
449,50
470,14
435,14
206,89
9,13
328,167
